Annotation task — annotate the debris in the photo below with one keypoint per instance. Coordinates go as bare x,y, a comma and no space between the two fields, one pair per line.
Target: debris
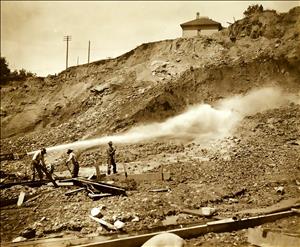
95,212
97,172
19,239
21,198
98,196
24,183
268,237
135,219
233,200
160,190
119,224
74,191
33,198
165,239
64,183
28,233
103,222
279,207
204,211
112,189
279,190
170,220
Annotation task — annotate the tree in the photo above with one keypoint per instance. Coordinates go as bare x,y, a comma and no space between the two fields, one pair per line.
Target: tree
4,70
252,9
8,75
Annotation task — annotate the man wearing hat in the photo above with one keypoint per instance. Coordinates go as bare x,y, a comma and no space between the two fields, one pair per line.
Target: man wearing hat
111,151
72,157
39,165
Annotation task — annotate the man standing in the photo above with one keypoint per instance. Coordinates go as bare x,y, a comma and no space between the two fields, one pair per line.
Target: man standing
38,164
72,157
111,151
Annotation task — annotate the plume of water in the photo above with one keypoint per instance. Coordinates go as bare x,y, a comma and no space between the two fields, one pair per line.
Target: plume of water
198,121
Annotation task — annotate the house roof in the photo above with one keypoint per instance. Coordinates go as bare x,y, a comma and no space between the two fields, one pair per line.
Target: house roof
202,21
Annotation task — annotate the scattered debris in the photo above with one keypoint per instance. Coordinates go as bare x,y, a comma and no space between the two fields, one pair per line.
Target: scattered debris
103,187
103,222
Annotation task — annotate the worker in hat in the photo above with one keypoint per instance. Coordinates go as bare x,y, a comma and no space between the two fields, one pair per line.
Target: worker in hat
111,151
72,157
38,163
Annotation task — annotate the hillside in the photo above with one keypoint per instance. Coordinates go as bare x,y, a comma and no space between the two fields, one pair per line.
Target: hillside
151,84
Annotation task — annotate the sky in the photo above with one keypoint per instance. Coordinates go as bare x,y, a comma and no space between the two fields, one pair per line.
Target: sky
32,32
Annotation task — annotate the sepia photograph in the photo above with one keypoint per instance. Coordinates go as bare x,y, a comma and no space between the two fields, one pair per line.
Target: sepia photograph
150,123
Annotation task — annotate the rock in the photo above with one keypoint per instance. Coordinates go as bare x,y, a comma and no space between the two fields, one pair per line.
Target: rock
19,239
165,240
96,212
279,190
28,233
233,200
207,211
135,219
119,224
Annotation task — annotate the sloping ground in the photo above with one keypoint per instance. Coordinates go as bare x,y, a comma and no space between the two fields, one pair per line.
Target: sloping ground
151,83
102,97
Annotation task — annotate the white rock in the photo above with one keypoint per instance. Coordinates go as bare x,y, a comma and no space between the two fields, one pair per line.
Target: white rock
95,212
165,240
119,224
19,239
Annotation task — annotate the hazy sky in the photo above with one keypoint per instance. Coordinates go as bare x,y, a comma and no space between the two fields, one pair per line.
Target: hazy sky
32,32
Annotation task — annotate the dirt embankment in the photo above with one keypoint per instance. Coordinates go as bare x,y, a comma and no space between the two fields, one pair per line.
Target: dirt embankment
158,78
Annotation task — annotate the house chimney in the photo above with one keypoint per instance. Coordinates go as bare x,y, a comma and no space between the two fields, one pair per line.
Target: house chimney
197,15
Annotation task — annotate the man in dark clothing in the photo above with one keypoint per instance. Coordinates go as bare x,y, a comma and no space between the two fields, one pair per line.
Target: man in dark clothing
111,151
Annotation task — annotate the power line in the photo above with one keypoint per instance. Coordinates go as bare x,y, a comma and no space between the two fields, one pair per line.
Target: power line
67,38
89,51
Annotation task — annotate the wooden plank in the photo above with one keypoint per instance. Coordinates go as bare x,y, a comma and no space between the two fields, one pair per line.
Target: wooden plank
21,198
74,191
281,206
160,190
98,196
64,183
103,222
103,187
24,183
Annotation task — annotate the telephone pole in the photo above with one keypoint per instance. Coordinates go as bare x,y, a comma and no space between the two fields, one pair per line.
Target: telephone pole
67,38
89,51
77,61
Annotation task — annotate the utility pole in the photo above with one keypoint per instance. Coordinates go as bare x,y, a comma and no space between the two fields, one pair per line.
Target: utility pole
67,38
77,61
89,51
